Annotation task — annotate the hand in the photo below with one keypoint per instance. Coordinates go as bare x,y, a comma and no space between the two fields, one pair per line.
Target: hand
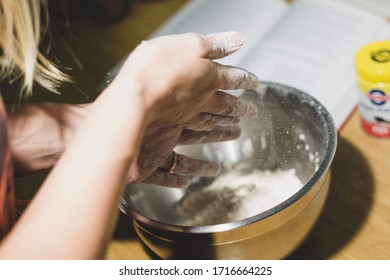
158,164
179,78
204,114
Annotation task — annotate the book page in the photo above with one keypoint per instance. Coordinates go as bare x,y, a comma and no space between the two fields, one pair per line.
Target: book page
312,48
252,18
377,7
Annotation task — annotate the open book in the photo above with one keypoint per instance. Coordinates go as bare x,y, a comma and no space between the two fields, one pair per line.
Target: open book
309,45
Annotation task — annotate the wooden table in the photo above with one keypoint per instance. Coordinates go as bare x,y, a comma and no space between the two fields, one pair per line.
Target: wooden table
355,223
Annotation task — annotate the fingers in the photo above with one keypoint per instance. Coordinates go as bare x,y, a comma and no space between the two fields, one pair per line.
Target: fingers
217,134
219,45
206,122
222,109
231,77
175,173
163,178
223,44
184,165
226,104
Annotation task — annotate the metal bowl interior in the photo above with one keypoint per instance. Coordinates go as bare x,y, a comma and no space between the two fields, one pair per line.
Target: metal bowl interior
292,130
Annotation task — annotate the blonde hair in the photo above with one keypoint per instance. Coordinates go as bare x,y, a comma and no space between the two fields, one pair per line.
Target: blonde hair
22,24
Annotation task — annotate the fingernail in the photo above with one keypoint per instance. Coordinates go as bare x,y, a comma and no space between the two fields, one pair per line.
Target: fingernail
236,40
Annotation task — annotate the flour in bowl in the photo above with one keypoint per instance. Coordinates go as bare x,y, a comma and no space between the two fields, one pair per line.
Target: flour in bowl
235,196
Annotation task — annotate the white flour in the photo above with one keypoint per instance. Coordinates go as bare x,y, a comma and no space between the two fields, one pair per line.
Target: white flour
235,196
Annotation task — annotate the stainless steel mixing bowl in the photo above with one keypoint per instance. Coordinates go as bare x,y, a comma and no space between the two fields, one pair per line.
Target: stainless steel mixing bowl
292,130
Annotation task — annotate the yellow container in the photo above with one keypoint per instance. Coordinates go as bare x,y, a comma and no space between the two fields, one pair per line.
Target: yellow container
373,70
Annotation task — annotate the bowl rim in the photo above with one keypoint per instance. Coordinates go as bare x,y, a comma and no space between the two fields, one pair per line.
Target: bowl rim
321,171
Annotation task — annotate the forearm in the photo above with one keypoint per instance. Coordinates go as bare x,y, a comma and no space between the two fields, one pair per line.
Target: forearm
40,133
74,212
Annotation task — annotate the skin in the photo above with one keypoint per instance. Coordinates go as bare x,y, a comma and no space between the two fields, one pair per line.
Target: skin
41,132
159,92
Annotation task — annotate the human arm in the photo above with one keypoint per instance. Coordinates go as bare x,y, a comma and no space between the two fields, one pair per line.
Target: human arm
73,214
41,132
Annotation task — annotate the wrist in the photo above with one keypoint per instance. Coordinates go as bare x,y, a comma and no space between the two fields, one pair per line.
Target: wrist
136,93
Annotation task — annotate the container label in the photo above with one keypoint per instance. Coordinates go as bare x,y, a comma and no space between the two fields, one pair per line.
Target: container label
374,107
